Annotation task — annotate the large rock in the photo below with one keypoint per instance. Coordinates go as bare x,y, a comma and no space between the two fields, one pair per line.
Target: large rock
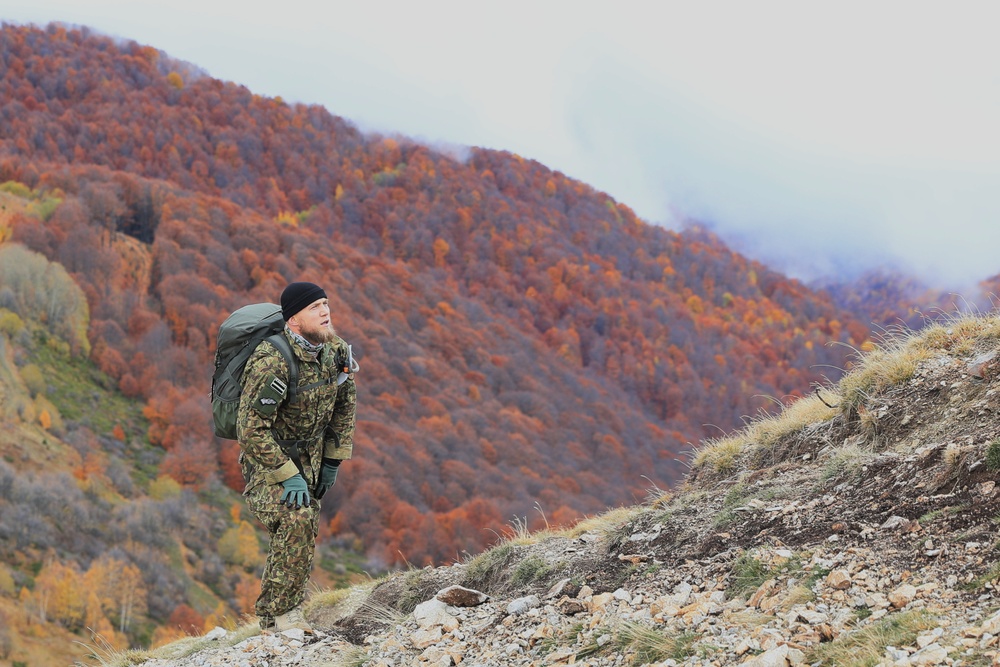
434,613
459,596
902,596
839,580
780,656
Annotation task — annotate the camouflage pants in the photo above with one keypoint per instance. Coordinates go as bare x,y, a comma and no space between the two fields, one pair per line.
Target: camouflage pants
290,555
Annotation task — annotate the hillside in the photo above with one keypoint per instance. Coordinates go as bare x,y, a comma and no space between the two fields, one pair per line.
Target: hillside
528,347
861,534
890,300
524,339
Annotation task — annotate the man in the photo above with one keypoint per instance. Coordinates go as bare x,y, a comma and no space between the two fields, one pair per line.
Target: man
292,446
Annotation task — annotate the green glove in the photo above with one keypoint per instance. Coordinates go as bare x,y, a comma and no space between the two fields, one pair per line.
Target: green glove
327,476
296,492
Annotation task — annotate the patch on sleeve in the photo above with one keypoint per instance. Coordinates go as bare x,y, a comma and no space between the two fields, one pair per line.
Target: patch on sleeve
271,395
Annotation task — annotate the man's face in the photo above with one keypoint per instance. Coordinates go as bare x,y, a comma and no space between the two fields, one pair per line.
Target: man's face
313,322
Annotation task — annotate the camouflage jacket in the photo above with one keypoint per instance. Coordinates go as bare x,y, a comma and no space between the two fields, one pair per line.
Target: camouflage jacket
324,417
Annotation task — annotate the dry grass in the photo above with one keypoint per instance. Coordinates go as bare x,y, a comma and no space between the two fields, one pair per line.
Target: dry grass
866,646
653,645
488,565
892,361
799,595
880,369
351,600
767,430
605,523
843,461
326,598
750,618
105,656
355,656
380,613
896,358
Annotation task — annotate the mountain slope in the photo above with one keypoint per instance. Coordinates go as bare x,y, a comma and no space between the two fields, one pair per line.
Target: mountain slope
515,327
528,347
858,535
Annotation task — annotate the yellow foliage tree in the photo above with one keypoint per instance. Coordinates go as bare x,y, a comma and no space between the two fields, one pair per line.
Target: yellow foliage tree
163,488
239,546
59,595
287,218
100,627
119,588
441,249
7,586
33,379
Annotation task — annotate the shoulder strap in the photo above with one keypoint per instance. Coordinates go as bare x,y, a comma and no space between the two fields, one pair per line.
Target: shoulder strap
281,343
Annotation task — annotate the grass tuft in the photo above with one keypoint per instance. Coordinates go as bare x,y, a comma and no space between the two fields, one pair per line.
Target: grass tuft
106,656
892,361
844,461
652,645
865,646
747,574
722,454
993,455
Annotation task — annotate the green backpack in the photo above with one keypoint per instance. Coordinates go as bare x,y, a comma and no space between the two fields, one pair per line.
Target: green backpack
238,337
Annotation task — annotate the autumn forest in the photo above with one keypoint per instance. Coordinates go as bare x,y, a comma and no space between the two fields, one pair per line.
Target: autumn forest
528,347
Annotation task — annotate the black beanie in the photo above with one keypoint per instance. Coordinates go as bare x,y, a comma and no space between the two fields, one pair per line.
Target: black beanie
297,296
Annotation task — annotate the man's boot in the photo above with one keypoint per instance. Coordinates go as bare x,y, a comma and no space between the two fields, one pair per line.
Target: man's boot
292,619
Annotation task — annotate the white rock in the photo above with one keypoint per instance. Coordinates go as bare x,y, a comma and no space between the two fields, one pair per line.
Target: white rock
434,613
925,639
425,637
522,605
932,654
779,656
992,624
296,634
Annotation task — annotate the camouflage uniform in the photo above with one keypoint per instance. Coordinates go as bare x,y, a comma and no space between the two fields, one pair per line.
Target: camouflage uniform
323,418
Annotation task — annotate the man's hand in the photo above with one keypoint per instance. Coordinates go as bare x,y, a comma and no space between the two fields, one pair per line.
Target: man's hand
296,492
327,476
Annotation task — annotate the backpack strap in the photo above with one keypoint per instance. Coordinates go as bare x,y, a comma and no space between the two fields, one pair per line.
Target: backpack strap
281,343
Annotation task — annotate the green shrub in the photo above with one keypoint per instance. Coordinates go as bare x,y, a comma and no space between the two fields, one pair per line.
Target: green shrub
44,208
17,189
10,323
747,574
33,379
993,455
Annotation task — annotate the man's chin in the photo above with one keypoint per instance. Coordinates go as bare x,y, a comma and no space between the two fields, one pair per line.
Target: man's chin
320,336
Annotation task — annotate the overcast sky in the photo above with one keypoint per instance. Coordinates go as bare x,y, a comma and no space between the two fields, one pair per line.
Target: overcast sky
819,137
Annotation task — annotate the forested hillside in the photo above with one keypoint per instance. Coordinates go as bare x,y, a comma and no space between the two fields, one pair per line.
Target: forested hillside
894,301
525,341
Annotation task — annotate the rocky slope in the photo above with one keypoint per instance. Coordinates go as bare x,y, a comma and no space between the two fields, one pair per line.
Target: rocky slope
861,533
